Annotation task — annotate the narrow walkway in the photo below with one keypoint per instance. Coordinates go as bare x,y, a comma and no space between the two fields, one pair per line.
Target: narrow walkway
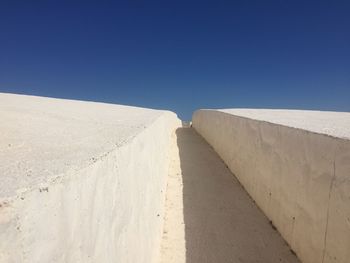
209,217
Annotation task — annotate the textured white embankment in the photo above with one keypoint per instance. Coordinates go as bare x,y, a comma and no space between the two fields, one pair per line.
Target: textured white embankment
296,166
81,181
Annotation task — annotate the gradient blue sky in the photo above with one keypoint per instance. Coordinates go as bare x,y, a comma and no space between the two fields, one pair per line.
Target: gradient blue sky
179,55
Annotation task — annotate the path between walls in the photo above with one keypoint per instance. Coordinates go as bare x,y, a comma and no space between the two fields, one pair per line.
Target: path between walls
209,217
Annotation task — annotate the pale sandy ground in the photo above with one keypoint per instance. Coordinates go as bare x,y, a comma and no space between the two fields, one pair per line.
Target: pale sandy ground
209,216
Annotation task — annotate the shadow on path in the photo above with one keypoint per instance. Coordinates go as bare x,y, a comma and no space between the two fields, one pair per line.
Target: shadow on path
222,223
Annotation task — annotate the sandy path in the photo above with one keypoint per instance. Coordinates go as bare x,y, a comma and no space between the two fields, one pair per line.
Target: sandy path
209,216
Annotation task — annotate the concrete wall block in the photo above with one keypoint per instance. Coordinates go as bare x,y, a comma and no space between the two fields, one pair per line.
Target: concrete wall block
298,173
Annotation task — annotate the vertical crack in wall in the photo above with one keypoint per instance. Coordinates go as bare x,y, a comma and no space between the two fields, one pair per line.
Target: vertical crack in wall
329,201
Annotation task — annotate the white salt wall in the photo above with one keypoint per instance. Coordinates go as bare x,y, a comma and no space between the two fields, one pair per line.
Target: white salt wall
81,181
296,166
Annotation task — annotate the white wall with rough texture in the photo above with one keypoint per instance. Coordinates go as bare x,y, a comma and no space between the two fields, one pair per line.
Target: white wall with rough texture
296,166
81,181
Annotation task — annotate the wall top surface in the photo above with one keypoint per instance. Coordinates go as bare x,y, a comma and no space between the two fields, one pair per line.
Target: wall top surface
42,138
335,124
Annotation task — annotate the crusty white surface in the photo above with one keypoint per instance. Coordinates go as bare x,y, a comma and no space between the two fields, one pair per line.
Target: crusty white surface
81,181
336,124
42,138
298,177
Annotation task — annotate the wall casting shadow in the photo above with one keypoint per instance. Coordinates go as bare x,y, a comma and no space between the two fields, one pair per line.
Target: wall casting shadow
222,223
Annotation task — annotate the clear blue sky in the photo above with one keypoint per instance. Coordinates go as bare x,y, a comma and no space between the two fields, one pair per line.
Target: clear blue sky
179,55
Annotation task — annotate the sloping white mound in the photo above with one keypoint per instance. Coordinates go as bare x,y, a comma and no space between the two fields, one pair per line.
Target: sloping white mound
81,181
